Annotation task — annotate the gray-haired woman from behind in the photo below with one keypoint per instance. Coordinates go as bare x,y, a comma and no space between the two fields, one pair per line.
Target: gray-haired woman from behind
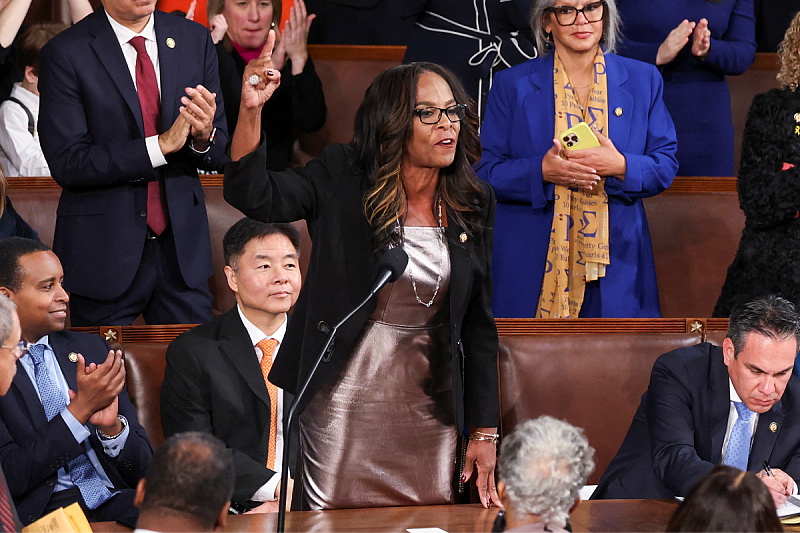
542,466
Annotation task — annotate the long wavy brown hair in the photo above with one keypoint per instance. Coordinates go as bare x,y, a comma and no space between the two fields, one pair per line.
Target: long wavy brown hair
383,128
789,74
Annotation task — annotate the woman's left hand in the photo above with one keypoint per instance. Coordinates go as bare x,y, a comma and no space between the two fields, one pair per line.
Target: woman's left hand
483,455
268,77
605,159
295,36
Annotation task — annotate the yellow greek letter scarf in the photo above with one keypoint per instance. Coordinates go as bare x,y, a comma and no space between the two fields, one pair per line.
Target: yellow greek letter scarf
578,250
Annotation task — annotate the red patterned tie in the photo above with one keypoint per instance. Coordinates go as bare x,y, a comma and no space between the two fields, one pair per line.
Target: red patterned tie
6,515
147,87
267,347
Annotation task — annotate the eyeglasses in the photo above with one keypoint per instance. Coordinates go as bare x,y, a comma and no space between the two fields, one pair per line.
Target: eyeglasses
429,115
568,15
19,350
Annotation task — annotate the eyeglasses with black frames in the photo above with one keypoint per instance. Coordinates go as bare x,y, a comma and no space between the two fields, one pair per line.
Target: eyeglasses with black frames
432,115
568,15
19,350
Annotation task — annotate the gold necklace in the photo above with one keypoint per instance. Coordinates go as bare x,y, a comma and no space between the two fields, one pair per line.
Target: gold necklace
573,88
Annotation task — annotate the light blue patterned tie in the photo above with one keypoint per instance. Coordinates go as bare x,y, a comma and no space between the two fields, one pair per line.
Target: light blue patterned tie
739,444
81,470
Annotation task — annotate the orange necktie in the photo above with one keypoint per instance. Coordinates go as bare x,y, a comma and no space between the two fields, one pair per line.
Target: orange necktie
267,347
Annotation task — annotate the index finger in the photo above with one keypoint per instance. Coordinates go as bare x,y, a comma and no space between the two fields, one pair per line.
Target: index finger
266,51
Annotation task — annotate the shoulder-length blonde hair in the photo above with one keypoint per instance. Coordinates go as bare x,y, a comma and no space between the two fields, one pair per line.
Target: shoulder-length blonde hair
789,74
383,128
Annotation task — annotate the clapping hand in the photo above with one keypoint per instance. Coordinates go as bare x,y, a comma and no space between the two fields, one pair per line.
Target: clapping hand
701,39
675,42
295,36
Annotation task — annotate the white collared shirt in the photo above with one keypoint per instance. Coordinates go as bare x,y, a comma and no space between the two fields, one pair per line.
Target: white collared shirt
266,493
124,35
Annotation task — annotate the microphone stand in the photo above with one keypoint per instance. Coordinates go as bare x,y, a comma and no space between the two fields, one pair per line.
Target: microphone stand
287,434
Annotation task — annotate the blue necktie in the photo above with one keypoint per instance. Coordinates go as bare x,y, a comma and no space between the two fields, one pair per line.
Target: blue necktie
81,470
738,451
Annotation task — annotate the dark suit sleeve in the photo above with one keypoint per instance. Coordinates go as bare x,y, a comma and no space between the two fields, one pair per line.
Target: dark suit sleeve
186,406
308,100
76,158
27,464
131,463
479,335
672,424
286,196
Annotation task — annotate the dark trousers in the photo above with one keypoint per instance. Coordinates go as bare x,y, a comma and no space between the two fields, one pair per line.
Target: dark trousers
157,292
119,507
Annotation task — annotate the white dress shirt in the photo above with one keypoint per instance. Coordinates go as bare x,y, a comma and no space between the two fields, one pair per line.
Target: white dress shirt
266,493
21,153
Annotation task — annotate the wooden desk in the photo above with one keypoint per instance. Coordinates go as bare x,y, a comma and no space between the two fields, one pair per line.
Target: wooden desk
608,515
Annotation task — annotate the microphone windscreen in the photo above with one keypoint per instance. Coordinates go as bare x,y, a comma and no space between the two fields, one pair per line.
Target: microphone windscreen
393,260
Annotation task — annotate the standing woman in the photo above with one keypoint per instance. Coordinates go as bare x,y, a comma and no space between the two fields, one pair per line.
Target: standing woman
768,258
695,44
299,103
419,362
572,236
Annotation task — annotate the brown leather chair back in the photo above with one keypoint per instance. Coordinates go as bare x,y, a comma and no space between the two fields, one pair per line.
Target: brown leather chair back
593,381
145,363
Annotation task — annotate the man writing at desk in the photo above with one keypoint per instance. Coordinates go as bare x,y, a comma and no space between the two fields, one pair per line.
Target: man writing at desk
738,405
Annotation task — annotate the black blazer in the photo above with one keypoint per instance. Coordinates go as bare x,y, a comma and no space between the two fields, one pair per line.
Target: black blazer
677,433
33,449
213,383
328,193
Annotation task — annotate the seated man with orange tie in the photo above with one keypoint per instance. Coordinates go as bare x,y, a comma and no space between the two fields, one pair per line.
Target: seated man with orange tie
215,380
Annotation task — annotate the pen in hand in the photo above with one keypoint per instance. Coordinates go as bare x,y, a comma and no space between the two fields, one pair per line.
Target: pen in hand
767,469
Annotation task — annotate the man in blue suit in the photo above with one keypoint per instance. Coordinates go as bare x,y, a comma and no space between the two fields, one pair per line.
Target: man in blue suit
738,404
129,111
68,432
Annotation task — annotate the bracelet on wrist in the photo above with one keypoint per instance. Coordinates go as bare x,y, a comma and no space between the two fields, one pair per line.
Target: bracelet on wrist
484,437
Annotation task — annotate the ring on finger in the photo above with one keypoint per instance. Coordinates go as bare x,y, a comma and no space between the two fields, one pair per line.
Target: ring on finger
254,80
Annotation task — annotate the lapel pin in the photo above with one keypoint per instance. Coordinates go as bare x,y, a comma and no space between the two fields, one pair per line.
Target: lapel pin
73,357
170,42
797,117
773,426
463,237
618,112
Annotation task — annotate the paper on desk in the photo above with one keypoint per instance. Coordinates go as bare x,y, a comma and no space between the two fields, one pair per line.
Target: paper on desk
425,530
789,510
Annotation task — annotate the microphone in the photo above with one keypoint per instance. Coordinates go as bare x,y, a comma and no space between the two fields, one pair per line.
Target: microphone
390,267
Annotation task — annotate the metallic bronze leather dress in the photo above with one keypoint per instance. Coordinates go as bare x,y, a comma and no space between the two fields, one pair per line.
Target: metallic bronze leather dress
384,433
